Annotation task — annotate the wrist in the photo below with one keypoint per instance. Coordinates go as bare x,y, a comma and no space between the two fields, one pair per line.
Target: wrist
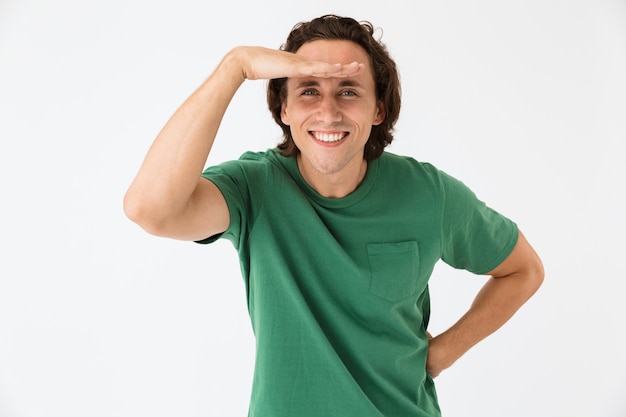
443,351
231,68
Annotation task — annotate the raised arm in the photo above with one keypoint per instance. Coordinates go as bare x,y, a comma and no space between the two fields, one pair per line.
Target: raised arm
512,283
168,197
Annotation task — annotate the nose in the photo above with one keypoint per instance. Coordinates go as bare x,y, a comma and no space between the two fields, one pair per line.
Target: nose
328,110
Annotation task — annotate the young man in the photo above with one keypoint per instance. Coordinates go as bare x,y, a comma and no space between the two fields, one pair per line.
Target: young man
337,239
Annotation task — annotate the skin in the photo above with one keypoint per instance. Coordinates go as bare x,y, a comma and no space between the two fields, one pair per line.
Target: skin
511,284
330,92
344,108
168,197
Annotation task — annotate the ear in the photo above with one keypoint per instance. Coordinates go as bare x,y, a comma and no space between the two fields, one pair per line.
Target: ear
380,113
283,114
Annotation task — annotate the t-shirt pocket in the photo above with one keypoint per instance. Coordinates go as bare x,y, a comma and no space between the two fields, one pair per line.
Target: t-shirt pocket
394,269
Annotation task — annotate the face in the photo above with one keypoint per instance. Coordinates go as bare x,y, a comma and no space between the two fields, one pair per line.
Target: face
331,118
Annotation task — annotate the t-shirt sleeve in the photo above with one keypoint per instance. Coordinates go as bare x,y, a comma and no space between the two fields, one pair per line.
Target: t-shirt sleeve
474,236
242,184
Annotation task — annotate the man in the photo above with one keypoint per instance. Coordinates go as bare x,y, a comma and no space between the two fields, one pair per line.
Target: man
337,239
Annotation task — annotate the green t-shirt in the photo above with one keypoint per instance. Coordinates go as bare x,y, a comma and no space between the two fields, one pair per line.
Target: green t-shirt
337,288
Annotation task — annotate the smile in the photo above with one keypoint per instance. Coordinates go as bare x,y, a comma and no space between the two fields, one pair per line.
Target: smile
329,137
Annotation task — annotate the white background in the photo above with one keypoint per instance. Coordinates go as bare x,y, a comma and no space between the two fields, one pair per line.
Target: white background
525,101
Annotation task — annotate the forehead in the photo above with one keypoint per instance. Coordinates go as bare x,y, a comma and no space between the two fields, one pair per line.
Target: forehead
334,51
339,51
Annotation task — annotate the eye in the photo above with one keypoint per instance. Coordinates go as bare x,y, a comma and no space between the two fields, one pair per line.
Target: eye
309,92
348,93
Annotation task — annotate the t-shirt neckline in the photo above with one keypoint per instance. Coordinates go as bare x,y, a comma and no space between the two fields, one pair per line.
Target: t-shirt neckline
362,190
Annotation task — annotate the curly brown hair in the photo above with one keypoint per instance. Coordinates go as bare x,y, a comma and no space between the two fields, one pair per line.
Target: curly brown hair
386,77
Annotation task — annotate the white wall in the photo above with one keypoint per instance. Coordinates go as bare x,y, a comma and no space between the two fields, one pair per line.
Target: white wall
523,100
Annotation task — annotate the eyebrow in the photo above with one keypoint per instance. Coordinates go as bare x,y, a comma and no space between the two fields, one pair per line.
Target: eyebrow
315,83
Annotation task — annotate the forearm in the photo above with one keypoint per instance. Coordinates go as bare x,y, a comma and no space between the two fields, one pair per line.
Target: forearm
494,305
172,167
168,196
511,285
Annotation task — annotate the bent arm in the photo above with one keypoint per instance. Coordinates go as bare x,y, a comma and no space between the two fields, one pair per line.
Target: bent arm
168,197
511,284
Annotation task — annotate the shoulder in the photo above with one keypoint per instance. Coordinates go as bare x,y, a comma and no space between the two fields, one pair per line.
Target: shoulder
259,156
403,162
249,163
268,160
408,169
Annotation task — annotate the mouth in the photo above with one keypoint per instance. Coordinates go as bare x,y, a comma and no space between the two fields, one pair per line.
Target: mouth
328,137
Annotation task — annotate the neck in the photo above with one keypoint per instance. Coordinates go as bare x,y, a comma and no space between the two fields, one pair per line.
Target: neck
337,184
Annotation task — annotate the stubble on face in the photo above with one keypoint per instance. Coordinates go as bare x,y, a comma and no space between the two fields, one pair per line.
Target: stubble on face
331,119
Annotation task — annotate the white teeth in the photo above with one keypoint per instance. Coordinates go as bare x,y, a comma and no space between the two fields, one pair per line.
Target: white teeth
328,137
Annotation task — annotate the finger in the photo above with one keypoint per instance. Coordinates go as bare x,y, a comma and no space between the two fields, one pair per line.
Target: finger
336,70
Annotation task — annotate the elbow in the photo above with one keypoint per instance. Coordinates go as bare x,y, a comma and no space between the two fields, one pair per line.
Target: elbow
531,266
139,211
539,273
535,275
131,207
